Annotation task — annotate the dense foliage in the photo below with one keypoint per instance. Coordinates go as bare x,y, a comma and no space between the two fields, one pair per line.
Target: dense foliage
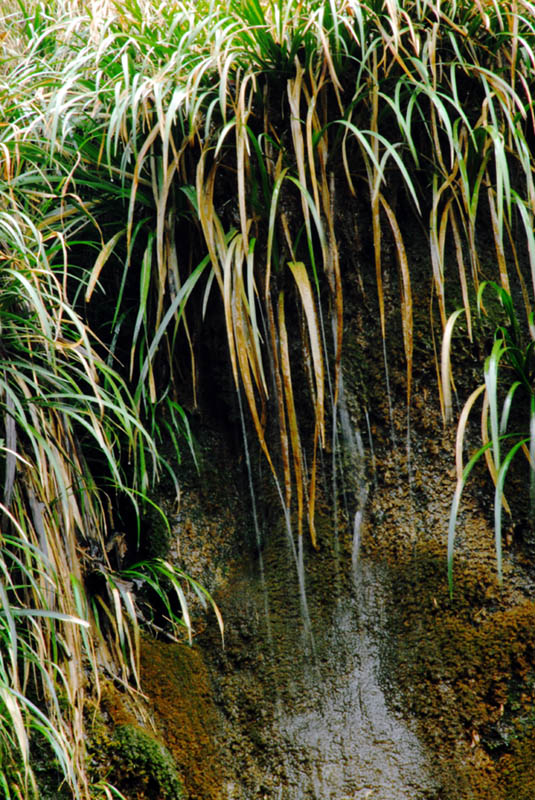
160,159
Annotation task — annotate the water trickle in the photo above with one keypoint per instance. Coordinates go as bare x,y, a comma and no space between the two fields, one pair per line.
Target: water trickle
354,449
298,556
335,733
254,514
372,449
410,477
389,397
303,686
329,728
355,550
344,739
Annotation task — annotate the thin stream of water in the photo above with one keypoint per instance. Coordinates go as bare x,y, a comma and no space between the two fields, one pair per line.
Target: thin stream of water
339,737
352,443
296,553
256,525
410,478
389,397
332,732
372,450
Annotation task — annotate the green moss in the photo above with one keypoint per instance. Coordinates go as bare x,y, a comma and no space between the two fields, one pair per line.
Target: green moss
143,763
156,536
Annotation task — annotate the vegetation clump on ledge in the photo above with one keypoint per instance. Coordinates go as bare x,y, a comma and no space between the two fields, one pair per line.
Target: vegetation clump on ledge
167,164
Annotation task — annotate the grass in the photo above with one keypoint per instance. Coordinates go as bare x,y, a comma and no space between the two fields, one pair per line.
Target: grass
507,417
159,161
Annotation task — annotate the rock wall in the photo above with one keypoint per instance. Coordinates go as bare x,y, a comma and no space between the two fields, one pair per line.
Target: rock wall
351,673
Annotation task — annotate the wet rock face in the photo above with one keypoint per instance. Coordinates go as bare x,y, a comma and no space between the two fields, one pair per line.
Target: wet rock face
305,699
378,686
368,684
348,738
175,680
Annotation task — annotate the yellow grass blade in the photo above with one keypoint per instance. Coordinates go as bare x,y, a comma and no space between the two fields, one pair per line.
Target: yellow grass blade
273,337
243,353
300,275
462,269
242,113
406,293
102,258
461,429
497,231
291,414
488,452
446,377
149,141
437,251
294,100
312,492
228,304
334,264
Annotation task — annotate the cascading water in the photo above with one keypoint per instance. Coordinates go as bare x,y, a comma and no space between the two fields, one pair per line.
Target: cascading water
322,726
344,739
389,397
307,700
254,513
354,449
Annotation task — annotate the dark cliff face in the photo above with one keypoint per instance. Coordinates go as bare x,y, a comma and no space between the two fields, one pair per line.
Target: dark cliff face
355,674
393,688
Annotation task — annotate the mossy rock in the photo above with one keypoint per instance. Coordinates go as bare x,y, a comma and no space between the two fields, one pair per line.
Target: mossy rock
517,772
142,766
156,535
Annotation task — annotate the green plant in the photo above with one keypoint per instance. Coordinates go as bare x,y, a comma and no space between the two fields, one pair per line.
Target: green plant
72,435
161,115
508,394
142,761
60,403
126,607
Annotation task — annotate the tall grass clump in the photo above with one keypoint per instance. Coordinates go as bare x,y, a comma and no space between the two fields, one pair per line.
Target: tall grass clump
226,131
507,416
61,406
165,165
72,441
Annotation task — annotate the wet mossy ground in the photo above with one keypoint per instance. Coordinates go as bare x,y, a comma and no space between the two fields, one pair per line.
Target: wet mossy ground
464,667
162,744
461,668
176,682
126,751
143,765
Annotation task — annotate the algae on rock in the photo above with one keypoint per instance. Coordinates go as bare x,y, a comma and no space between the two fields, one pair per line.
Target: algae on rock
144,765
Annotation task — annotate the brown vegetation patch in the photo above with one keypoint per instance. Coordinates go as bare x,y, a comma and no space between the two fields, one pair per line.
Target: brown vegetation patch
465,667
176,681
